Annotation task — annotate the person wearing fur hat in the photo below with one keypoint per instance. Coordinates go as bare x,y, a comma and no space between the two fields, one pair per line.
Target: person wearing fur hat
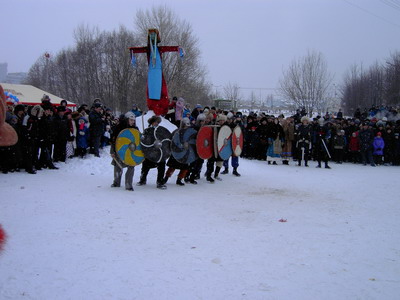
173,164
147,164
119,165
304,134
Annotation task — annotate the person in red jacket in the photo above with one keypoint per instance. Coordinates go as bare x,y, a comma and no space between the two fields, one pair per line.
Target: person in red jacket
354,147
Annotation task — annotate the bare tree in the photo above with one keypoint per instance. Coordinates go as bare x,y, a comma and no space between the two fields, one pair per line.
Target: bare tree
392,79
98,65
232,92
306,82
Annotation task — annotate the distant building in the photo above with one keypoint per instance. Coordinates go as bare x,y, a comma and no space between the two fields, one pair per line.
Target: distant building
3,71
15,78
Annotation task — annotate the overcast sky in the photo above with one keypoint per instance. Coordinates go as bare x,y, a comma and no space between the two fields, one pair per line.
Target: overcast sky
246,42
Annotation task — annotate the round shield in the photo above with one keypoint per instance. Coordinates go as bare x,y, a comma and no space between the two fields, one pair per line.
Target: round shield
183,145
237,141
128,148
224,142
156,144
205,142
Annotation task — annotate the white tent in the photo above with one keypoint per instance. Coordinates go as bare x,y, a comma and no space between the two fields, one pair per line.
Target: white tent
30,95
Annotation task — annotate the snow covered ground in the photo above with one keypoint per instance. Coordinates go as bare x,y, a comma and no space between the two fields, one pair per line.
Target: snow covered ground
71,236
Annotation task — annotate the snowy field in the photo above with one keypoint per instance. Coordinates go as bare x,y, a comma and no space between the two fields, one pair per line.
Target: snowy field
71,236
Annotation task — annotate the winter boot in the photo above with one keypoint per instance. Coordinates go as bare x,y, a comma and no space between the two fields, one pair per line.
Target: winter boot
216,173
179,182
142,180
187,179
165,180
319,165
161,186
192,179
306,163
299,164
225,171
235,172
326,166
209,179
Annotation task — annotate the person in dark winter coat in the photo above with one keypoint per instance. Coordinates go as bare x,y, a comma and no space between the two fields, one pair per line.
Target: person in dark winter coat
264,131
321,140
339,145
119,165
251,138
396,149
62,133
30,127
173,164
147,164
96,127
304,135
366,139
388,151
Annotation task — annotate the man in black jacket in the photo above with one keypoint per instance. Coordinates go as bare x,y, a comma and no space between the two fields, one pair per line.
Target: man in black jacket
96,120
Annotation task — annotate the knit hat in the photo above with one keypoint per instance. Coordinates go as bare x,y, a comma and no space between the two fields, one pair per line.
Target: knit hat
221,117
305,118
201,117
185,122
130,115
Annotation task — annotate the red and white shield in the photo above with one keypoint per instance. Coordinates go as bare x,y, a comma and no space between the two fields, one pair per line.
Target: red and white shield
237,141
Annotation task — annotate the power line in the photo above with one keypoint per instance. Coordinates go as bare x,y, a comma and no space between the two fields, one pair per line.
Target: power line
391,4
375,15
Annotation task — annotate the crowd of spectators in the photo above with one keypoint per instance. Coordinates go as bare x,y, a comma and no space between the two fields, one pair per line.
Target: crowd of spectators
50,133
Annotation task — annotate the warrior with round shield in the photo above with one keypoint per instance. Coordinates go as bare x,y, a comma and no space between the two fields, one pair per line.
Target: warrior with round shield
217,160
235,123
195,167
181,142
156,142
129,121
